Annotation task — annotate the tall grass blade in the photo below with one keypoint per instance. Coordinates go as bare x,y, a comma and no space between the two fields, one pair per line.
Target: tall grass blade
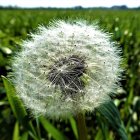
111,113
56,134
16,131
17,107
24,136
74,127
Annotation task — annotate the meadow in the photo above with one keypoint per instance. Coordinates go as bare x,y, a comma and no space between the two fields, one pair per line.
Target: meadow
17,124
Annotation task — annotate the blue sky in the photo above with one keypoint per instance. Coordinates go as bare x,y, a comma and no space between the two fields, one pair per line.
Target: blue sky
69,3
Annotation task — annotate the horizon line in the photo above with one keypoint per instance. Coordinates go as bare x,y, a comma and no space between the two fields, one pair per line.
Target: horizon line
77,6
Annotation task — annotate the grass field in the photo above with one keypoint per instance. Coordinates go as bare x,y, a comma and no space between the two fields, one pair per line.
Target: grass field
15,25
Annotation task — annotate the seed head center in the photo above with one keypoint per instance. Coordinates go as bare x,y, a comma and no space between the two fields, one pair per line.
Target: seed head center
66,73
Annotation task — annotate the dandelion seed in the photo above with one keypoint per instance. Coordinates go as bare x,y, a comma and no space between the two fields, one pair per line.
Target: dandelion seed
66,68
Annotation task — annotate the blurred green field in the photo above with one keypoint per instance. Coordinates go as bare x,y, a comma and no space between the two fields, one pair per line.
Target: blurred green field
15,25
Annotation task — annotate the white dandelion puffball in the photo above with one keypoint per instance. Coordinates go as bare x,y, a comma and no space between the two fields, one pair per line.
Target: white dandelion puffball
65,68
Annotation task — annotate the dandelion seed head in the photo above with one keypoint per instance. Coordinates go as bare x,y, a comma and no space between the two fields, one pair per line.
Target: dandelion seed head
66,68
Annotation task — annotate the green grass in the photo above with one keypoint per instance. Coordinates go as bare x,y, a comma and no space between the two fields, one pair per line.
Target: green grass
15,25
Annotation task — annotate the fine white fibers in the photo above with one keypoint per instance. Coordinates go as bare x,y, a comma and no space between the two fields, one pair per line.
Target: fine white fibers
66,68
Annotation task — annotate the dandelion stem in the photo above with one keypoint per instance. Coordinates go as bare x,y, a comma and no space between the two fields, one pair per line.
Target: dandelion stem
81,126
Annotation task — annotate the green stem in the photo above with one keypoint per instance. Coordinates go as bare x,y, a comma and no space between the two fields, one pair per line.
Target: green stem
81,126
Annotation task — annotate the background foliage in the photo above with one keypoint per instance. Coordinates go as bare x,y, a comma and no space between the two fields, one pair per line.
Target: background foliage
17,123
